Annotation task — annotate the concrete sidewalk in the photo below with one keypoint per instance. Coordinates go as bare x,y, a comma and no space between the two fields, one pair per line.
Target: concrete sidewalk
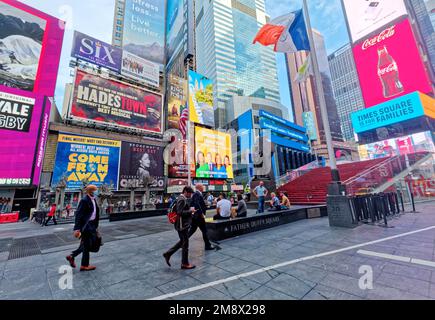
303,260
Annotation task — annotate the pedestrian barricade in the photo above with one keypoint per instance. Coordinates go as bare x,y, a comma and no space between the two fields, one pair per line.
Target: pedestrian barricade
375,208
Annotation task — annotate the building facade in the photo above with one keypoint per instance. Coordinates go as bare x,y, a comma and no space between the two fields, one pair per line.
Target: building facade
423,12
225,53
305,102
347,91
268,146
236,106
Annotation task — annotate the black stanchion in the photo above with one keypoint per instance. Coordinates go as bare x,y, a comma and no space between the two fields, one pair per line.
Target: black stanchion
412,198
401,201
396,199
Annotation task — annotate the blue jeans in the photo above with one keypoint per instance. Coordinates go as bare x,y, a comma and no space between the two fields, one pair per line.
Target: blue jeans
261,204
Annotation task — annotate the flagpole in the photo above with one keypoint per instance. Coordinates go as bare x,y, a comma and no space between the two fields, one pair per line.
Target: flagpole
321,93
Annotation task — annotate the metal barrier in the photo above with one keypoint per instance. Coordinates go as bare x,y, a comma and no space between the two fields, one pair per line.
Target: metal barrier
375,208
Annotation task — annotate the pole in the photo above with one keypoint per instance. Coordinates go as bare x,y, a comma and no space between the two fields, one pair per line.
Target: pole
323,110
189,173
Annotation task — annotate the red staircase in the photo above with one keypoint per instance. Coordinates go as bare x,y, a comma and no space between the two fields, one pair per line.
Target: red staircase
312,187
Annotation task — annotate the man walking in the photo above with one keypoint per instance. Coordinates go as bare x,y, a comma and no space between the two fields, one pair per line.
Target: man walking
184,221
261,193
198,220
86,225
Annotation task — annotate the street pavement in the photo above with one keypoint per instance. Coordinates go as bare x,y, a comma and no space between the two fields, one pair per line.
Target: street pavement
304,260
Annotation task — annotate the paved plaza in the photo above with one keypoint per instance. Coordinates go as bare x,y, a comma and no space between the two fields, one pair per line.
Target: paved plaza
304,260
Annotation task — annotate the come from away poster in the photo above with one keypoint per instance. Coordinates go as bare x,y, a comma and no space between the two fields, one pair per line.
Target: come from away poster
89,159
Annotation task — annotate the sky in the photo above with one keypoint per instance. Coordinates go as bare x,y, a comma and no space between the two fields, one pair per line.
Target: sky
95,18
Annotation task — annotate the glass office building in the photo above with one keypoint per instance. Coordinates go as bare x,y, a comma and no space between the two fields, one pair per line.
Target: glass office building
225,30
424,13
347,91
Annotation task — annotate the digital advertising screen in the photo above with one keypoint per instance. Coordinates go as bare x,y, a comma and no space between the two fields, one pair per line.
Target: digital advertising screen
103,100
137,68
97,52
213,154
178,113
80,158
389,65
24,121
176,29
31,43
30,48
140,161
409,144
144,29
367,16
201,101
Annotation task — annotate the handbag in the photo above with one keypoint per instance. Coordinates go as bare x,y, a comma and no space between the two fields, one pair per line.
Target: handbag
95,240
172,214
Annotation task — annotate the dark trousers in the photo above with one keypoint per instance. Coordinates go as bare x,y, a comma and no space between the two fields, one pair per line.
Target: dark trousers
83,249
199,222
184,245
49,218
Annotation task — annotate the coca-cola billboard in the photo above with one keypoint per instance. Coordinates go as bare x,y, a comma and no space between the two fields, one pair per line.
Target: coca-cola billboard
389,64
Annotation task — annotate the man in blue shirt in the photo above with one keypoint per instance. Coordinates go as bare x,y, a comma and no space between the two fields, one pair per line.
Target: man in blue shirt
261,193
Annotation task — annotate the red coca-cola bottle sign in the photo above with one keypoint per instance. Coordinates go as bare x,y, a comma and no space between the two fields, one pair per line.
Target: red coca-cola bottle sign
388,73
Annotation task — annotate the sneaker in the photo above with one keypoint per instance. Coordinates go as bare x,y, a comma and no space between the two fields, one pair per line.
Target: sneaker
88,268
71,261
209,248
187,266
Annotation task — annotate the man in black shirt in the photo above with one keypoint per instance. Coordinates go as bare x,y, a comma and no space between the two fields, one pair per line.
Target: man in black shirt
198,220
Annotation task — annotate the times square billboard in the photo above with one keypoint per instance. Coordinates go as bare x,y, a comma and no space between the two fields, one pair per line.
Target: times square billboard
31,43
110,102
389,64
366,16
144,29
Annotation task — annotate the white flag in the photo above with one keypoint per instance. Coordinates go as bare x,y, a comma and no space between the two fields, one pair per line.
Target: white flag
305,71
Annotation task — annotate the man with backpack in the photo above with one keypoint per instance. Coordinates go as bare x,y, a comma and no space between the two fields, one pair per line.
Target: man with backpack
182,224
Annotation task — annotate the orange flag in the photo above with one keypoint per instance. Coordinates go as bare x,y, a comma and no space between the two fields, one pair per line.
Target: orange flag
269,34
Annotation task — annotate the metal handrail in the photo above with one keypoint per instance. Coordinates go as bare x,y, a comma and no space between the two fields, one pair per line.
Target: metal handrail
386,160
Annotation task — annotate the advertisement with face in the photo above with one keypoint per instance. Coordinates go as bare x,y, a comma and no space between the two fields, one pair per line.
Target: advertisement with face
139,162
30,46
24,123
213,156
366,16
106,101
96,52
140,69
178,114
80,158
419,142
389,65
201,109
144,29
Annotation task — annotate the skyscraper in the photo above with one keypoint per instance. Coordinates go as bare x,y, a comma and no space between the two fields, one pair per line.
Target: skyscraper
346,87
225,53
305,100
424,13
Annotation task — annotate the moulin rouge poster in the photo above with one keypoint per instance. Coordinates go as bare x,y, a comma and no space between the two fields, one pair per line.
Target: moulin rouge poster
102,100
